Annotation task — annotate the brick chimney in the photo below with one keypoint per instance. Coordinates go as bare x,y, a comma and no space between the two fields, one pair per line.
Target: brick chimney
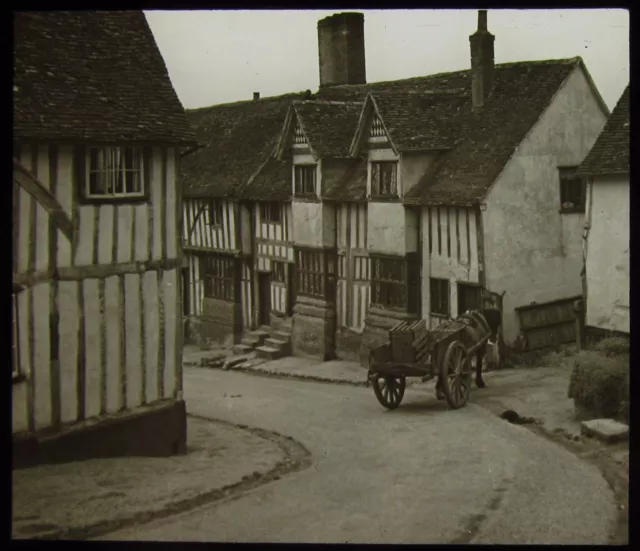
256,96
482,61
341,49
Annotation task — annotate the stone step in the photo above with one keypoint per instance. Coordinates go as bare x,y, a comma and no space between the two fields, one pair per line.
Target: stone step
259,334
281,335
250,341
242,348
279,344
269,353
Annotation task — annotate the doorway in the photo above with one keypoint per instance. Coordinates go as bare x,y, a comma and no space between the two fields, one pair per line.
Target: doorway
291,289
264,299
186,305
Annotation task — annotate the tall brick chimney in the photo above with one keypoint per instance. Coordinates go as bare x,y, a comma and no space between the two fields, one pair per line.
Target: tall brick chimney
482,61
341,49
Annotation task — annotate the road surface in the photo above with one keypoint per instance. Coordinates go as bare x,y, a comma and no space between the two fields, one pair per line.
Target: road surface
419,474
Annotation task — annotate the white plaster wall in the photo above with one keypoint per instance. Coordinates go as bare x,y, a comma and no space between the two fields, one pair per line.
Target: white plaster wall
531,250
386,232
307,223
608,255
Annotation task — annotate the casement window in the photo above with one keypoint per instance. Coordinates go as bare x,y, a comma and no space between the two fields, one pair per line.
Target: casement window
305,179
388,282
384,178
271,212
278,271
113,173
395,282
15,353
572,190
439,296
469,297
215,212
218,275
315,273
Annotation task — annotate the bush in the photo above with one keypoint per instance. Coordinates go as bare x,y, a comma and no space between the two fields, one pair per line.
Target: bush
599,384
612,346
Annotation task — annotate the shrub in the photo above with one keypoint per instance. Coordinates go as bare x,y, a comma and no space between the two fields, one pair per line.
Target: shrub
612,346
600,384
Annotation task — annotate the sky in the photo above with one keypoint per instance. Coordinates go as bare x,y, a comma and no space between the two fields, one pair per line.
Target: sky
224,56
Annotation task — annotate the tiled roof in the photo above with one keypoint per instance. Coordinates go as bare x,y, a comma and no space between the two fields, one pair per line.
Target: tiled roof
93,75
329,126
238,139
272,182
422,113
352,187
610,153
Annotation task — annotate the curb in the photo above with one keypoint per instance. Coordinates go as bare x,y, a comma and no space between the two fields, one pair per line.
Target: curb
296,458
307,378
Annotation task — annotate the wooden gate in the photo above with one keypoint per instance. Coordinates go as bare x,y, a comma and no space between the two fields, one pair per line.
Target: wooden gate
549,323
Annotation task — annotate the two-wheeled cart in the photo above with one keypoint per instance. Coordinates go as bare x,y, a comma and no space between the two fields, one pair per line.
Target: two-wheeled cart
444,352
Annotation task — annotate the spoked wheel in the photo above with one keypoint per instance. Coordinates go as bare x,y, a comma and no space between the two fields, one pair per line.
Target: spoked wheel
455,375
388,390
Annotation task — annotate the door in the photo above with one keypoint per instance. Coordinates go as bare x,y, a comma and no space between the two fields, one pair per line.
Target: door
185,302
264,299
291,288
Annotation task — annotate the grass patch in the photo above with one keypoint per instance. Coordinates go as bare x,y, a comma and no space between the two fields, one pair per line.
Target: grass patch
599,381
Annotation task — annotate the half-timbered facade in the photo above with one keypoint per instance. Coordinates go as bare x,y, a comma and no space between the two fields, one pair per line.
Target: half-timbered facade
98,312
397,193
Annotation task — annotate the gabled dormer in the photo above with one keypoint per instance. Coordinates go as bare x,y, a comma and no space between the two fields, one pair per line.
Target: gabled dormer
373,142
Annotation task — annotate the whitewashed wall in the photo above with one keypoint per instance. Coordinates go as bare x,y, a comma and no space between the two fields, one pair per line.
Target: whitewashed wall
532,251
112,315
607,263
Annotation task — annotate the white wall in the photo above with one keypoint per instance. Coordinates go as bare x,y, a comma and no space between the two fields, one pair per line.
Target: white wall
608,255
532,251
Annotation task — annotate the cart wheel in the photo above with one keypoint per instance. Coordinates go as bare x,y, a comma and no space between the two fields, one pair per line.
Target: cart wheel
388,390
455,375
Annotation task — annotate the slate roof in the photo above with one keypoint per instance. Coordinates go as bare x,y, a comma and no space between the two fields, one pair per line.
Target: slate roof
422,113
610,153
93,75
329,126
238,138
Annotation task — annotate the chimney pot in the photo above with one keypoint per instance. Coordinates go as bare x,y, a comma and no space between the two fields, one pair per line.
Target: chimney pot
256,96
482,61
482,20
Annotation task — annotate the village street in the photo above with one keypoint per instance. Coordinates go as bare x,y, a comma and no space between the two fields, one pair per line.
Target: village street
420,474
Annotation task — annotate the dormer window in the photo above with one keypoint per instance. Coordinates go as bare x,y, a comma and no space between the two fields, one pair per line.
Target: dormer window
384,178
305,180
114,173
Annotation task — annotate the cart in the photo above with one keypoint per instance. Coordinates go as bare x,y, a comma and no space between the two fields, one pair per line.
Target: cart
444,352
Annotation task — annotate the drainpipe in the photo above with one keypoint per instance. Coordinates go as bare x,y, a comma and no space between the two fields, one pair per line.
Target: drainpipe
585,238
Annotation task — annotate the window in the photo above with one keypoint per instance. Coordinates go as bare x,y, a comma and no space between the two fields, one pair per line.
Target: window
384,179
115,172
439,291
389,286
305,179
315,273
215,213
15,355
572,191
270,212
278,271
469,297
217,273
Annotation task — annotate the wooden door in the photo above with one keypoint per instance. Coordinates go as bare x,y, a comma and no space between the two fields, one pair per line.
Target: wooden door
291,288
264,299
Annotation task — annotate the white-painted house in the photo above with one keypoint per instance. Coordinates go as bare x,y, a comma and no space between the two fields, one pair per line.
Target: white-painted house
97,249
606,169
423,197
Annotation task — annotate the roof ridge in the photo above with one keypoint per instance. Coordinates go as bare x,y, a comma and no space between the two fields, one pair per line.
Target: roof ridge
246,102
326,102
